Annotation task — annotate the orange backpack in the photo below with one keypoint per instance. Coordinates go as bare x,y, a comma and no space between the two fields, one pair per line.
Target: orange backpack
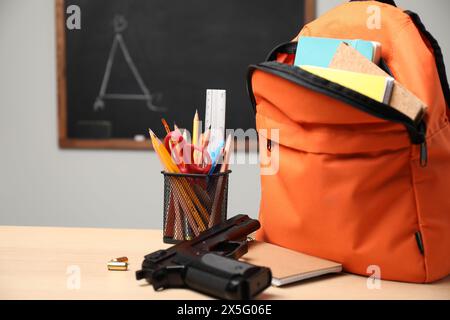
357,181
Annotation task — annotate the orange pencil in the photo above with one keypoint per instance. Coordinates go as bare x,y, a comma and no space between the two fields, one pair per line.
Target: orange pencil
166,125
206,137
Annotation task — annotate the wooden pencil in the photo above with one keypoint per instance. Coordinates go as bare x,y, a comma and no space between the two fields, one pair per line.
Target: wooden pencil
169,225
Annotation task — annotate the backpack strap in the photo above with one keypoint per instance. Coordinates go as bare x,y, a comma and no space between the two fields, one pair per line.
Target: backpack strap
437,54
286,47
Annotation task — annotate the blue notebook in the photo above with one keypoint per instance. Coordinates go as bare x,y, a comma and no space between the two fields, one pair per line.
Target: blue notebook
319,52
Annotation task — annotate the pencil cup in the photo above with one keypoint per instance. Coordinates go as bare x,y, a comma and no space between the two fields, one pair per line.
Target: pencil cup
193,203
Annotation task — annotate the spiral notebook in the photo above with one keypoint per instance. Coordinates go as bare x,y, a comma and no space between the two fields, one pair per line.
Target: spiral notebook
288,266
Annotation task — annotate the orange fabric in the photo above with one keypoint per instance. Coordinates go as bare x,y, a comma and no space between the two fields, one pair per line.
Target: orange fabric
349,186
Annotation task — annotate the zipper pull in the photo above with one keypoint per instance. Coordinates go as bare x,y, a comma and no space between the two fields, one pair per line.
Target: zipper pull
423,155
423,145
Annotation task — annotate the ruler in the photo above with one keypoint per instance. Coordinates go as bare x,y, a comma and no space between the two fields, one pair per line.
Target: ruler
215,117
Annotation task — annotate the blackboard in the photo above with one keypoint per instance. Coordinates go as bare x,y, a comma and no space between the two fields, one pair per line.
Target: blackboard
133,62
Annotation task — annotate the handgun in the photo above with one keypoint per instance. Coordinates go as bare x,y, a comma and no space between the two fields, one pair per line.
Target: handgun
208,263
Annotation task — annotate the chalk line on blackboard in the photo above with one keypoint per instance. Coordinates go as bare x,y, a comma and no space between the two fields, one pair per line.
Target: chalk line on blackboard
120,24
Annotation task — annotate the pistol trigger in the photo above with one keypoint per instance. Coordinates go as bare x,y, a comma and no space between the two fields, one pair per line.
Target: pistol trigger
239,251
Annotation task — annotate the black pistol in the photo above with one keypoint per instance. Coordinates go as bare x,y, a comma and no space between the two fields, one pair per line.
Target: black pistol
208,263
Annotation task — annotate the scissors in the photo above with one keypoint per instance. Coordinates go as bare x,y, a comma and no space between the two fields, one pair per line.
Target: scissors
183,154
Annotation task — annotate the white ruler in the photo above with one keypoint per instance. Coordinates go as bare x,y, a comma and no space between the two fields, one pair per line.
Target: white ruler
215,116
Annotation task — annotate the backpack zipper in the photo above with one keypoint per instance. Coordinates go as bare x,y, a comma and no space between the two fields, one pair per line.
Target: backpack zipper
416,131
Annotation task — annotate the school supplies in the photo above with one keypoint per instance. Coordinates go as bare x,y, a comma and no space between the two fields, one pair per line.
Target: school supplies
378,88
215,116
195,128
164,156
182,189
166,125
227,154
179,209
347,58
183,154
195,186
320,51
195,136
204,141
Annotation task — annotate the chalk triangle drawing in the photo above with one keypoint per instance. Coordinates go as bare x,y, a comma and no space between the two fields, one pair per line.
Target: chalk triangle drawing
120,24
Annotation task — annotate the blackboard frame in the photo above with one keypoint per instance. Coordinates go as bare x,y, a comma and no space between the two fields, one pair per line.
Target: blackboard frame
64,141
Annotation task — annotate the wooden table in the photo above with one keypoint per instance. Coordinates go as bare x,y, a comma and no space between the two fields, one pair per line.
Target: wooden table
70,263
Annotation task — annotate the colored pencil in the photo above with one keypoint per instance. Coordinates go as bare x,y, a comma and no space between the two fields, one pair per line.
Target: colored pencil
218,194
182,185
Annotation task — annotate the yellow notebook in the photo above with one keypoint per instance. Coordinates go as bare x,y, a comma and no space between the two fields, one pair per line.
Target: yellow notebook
376,87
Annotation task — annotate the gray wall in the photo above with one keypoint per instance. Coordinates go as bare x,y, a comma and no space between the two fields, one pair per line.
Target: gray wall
43,185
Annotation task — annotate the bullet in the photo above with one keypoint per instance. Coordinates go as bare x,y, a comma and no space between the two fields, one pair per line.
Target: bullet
117,266
121,259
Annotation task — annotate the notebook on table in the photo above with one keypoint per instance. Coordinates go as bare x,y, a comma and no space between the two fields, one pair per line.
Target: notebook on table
288,266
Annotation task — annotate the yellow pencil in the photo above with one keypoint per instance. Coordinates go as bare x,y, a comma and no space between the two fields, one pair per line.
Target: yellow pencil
195,129
164,156
195,136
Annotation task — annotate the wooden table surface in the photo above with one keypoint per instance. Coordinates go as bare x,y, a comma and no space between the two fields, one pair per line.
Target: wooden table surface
70,263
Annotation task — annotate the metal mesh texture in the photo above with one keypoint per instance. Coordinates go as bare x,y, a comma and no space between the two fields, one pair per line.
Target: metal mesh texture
193,203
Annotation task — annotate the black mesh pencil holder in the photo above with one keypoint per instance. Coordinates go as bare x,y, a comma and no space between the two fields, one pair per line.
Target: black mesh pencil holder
193,203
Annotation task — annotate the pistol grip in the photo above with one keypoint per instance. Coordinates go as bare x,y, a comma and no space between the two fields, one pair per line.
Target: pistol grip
227,278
